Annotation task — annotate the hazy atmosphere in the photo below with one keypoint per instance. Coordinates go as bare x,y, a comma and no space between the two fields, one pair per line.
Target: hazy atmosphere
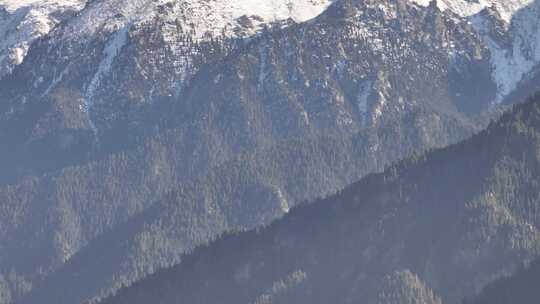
269,151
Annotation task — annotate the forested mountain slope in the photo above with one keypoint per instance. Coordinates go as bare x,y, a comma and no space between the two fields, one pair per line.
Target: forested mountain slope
436,227
250,190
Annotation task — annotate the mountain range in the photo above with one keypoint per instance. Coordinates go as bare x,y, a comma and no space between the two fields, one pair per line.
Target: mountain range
135,131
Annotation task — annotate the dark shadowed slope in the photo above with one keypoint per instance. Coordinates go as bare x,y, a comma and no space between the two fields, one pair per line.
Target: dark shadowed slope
523,287
434,228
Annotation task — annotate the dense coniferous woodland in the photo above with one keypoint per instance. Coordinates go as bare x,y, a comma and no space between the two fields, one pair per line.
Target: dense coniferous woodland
434,228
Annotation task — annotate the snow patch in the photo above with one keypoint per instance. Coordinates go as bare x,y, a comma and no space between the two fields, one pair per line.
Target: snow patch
111,51
283,203
200,19
305,117
225,16
465,8
509,67
24,21
13,5
378,110
17,54
512,63
203,17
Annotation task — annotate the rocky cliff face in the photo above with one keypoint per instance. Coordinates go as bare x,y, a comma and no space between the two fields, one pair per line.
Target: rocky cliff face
23,22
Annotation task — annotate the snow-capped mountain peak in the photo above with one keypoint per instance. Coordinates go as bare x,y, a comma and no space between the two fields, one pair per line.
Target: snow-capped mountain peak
23,21
214,17
13,5
224,16
464,8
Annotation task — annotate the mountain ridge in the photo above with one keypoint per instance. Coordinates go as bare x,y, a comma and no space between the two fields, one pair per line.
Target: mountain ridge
139,106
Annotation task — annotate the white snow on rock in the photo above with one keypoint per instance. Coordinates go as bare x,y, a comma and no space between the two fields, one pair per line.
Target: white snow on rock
13,5
200,18
283,203
521,17
465,8
112,49
511,63
23,21
205,17
224,16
